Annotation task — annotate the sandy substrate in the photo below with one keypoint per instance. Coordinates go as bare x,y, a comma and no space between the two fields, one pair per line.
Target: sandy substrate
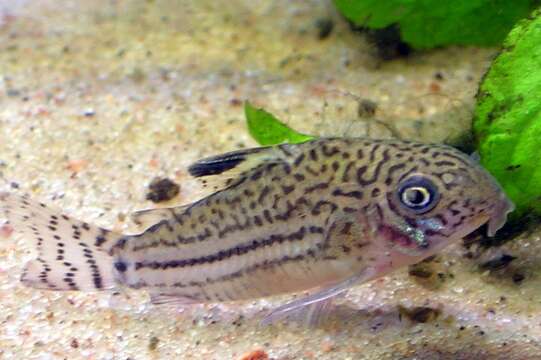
97,98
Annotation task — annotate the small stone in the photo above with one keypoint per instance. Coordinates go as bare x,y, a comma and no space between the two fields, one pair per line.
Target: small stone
74,343
367,108
235,102
6,230
121,217
13,93
499,262
419,314
434,87
518,278
77,165
153,343
324,27
327,346
255,355
162,189
420,272
89,112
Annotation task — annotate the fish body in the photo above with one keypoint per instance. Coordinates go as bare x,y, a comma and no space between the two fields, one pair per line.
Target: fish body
325,214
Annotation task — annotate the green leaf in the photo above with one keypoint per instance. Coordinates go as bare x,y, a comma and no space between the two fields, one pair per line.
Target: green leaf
430,23
507,122
268,130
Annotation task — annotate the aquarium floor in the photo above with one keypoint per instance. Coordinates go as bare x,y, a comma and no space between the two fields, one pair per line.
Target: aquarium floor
99,97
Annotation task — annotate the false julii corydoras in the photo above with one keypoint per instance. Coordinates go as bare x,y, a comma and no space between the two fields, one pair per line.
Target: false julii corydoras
322,215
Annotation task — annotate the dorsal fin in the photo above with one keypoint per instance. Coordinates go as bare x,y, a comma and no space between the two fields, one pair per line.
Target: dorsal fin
216,172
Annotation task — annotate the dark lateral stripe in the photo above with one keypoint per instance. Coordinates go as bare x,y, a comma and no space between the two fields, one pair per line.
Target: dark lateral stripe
319,186
346,175
362,170
177,217
229,229
285,149
393,169
409,172
329,152
239,250
311,171
457,158
299,160
291,208
264,265
264,192
353,194
317,209
373,152
313,155
424,161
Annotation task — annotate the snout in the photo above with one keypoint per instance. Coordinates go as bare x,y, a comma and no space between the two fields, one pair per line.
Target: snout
498,215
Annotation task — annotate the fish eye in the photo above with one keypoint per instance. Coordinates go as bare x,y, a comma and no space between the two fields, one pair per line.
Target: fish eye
418,194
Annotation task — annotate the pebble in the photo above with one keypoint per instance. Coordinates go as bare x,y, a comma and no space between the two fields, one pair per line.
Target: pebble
162,189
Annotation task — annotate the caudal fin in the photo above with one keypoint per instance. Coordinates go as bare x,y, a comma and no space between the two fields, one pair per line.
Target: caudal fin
72,255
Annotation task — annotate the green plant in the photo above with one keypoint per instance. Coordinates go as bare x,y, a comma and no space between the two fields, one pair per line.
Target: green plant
431,23
268,130
507,122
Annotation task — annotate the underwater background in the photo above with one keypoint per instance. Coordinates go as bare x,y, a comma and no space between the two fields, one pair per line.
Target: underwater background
98,98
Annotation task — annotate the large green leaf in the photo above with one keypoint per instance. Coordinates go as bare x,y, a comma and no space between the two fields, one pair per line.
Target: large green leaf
431,23
268,130
507,121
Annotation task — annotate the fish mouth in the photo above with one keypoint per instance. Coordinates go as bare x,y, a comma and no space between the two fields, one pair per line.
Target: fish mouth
499,214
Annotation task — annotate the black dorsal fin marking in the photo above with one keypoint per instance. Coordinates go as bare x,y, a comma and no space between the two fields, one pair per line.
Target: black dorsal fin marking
219,164
219,172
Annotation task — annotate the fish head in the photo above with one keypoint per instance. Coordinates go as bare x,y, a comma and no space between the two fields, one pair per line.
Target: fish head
438,201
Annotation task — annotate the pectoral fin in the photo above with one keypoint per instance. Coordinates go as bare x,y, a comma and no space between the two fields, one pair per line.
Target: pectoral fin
171,299
318,300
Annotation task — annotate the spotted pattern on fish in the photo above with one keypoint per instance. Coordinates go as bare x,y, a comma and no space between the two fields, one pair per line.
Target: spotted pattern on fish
71,253
284,219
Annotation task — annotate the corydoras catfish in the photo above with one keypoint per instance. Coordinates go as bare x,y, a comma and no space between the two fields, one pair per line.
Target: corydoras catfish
321,216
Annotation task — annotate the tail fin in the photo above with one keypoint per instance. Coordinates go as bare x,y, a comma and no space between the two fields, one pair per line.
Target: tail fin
72,255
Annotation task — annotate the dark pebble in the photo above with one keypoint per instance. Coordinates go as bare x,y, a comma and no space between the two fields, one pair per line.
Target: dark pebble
499,262
420,314
162,190
325,27
13,93
423,314
367,108
89,112
420,272
153,343
387,42
518,278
